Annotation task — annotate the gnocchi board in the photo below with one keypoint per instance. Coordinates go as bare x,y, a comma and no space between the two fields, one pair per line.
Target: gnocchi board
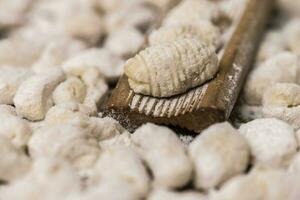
202,106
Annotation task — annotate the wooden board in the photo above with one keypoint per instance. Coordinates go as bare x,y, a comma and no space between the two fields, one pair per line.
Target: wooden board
204,105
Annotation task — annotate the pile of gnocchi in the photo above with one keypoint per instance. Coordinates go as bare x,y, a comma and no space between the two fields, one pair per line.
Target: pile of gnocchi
59,61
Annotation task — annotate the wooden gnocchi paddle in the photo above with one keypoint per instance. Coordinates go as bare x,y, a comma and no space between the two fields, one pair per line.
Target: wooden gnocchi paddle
204,105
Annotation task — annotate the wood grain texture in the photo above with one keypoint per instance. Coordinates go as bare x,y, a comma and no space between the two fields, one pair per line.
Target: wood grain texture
202,106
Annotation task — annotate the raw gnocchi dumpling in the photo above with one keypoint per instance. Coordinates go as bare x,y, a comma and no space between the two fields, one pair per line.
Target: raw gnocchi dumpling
8,110
68,113
195,11
123,139
47,178
125,42
273,43
260,183
13,12
10,79
16,129
242,187
13,161
291,32
20,51
110,189
139,16
163,194
280,68
272,141
71,90
204,31
218,154
294,166
282,101
65,141
104,60
290,115
124,164
34,96
164,154
282,94
105,128
173,68
56,51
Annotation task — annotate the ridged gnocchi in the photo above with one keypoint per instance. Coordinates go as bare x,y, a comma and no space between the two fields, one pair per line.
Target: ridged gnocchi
172,68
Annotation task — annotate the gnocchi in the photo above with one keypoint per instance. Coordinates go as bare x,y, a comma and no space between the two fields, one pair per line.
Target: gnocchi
269,133
218,154
204,31
173,68
159,147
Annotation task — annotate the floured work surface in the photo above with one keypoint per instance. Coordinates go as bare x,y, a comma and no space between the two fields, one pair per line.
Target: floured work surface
202,106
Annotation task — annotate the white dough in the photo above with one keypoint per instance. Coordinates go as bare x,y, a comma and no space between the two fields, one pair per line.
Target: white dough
105,128
267,184
137,16
16,129
10,79
105,61
160,194
282,94
218,153
290,115
20,51
110,189
56,52
122,163
70,113
48,179
204,31
13,12
64,141
164,154
291,32
7,109
13,162
34,96
272,44
125,42
123,139
71,90
272,141
281,68
282,101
